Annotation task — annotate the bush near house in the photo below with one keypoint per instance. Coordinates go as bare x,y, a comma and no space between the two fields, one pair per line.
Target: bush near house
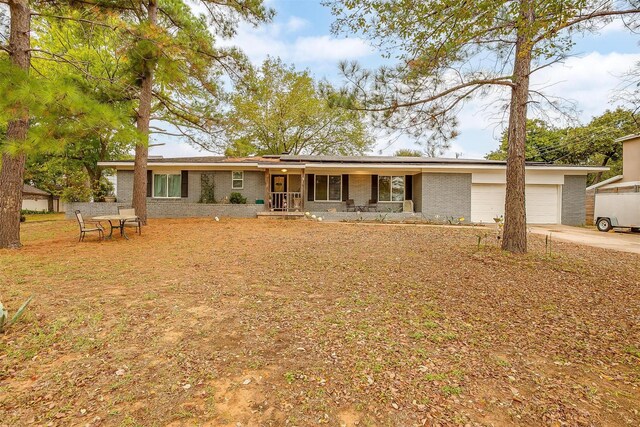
237,199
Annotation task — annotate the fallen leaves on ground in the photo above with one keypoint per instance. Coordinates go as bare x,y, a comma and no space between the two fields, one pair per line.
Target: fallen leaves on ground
262,322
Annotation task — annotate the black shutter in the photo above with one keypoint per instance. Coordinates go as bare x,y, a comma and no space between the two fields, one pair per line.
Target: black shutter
374,188
184,190
311,195
345,187
149,182
408,187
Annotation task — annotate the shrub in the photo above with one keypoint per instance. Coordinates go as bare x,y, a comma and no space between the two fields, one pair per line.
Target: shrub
237,199
208,186
103,188
32,212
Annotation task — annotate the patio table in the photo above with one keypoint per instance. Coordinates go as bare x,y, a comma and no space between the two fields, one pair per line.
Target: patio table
121,219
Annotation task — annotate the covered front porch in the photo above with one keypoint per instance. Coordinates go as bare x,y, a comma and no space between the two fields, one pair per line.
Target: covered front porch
292,189
284,189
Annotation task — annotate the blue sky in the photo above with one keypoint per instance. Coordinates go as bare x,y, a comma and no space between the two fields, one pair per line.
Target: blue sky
301,34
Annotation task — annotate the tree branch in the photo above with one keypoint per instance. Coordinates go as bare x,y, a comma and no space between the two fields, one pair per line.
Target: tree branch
583,18
502,81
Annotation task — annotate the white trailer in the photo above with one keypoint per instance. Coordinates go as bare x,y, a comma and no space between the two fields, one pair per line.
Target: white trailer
618,207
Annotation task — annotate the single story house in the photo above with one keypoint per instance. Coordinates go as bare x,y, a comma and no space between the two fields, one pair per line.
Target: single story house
35,199
292,184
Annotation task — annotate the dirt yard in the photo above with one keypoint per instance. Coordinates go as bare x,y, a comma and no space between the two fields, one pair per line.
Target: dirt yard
297,323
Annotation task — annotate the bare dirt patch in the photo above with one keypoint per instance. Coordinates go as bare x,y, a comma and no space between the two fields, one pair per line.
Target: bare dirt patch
271,323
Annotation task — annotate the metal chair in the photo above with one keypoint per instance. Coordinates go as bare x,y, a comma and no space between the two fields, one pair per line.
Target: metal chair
84,229
136,223
372,205
351,205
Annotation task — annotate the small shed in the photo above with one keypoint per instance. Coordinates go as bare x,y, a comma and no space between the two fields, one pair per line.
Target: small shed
35,199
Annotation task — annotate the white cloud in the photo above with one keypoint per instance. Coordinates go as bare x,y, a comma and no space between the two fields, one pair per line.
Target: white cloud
589,81
617,25
295,24
268,40
326,48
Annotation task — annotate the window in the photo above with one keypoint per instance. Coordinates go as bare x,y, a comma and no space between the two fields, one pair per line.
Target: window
329,188
167,185
391,188
237,180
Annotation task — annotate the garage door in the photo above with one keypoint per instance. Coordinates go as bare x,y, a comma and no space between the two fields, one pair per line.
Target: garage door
487,202
542,204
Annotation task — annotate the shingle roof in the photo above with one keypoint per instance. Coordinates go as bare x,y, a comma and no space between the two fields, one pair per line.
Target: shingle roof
387,159
369,160
207,159
29,189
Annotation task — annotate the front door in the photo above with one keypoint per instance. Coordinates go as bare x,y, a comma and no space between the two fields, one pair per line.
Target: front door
279,190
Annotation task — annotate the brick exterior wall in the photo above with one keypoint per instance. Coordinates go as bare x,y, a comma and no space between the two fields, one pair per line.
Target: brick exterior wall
124,190
446,195
574,199
359,191
253,187
169,209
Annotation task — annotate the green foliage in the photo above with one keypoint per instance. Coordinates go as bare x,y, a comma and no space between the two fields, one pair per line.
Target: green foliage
451,52
187,64
5,322
207,194
277,109
59,110
59,176
407,152
237,199
104,188
32,212
590,144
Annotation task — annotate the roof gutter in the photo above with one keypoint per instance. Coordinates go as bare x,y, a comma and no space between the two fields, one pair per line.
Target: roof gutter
178,164
360,166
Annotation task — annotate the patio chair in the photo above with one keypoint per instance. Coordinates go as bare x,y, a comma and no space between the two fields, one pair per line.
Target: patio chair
372,205
135,223
84,229
351,205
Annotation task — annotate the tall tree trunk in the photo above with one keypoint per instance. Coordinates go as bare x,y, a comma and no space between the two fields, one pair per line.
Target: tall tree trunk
12,168
515,214
144,117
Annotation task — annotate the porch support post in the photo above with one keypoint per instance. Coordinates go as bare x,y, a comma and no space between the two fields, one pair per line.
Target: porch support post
302,189
267,190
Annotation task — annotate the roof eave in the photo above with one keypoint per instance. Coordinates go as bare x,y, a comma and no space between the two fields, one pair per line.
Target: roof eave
627,137
605,182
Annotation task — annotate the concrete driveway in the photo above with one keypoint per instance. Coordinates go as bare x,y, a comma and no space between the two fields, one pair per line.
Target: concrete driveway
617,241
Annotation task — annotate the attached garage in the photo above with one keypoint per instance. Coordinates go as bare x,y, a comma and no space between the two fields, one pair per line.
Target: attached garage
543,203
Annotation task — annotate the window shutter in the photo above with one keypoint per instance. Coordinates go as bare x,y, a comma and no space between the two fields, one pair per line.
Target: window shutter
311,196
149,182
184,183
374,188
345,187
408,187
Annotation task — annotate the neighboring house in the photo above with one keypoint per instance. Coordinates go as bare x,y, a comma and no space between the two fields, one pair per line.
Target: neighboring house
34,199
437,188
629,181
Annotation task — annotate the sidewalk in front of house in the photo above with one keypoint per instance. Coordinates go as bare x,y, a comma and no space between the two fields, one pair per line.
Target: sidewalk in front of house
617,241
